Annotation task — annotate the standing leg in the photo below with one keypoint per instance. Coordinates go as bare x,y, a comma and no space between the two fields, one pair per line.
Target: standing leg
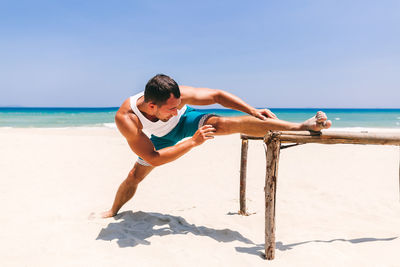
128,188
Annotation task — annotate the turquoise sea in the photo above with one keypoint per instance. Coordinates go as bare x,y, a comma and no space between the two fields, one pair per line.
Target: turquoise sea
18,117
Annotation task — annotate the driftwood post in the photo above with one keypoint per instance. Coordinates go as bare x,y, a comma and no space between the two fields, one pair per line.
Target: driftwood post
273,151
273,142
243,172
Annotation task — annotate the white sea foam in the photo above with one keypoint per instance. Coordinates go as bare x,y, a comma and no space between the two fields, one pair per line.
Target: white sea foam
81,127
110,125
337,119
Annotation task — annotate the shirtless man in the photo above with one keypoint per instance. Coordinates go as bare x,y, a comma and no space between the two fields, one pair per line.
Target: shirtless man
162,112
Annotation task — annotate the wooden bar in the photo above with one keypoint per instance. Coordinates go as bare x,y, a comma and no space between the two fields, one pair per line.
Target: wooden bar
243,174
249,137
330,137
334,137
273,150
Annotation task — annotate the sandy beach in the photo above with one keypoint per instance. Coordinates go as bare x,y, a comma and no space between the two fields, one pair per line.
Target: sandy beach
337,205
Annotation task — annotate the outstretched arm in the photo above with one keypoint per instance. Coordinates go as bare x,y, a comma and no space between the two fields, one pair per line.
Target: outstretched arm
143,147
206,96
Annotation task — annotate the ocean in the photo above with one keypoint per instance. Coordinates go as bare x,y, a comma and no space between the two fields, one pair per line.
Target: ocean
18,117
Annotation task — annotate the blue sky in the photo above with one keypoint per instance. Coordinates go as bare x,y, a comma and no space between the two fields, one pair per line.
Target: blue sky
328,54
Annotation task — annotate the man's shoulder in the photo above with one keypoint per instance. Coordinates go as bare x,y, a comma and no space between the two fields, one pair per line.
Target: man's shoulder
127,121
185,90
187,93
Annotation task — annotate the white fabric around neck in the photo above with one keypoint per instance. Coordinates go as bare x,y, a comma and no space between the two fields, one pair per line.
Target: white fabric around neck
158,128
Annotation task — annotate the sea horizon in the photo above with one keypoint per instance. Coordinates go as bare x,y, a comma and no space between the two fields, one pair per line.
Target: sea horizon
59,117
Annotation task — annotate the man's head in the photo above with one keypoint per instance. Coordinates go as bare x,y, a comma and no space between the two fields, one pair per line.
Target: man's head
163,96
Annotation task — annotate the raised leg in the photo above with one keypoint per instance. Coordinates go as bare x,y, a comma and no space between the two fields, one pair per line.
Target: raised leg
253,126
128,188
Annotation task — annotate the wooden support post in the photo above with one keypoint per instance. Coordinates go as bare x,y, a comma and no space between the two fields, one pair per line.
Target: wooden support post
243,173
273,150
273,142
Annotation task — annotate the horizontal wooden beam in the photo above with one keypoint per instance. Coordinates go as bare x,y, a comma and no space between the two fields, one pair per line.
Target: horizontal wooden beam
249,137
333,137
330,137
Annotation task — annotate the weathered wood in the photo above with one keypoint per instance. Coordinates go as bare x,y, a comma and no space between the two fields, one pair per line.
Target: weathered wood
273,142
334,137
346,134
330,137
243,174
289,146
273,150
302,133
324,140
249,137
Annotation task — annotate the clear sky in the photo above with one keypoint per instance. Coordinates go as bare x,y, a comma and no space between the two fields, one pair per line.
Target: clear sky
271,53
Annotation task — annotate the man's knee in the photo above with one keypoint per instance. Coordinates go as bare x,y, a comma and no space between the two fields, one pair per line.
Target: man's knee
221,124
134,178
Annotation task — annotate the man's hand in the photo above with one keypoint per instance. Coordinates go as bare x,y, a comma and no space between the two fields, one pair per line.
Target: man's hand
263,114
202,134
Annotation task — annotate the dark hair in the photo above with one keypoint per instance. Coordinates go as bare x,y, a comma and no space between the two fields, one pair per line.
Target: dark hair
159,89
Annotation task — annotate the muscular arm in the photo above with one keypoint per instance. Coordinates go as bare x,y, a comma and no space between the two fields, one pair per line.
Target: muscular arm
206,96
143,147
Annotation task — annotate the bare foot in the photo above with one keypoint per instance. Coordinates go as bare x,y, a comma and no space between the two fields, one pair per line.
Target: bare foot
107,214
103,215
317,123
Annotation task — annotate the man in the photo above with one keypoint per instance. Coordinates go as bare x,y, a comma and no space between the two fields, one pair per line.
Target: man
162,112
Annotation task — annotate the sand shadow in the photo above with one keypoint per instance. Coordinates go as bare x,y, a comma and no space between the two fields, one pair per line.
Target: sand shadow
132,229
258,250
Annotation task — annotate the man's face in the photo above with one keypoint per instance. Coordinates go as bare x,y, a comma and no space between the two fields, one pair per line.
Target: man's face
169,109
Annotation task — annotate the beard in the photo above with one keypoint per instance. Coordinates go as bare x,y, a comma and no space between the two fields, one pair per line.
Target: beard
165,119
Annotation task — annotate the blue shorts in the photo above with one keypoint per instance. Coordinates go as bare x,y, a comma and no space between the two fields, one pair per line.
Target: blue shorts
188,124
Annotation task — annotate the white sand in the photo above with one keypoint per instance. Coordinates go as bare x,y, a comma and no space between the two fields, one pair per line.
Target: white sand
337,205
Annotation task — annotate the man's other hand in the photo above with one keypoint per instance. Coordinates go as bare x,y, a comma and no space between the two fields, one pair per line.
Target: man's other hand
202,134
